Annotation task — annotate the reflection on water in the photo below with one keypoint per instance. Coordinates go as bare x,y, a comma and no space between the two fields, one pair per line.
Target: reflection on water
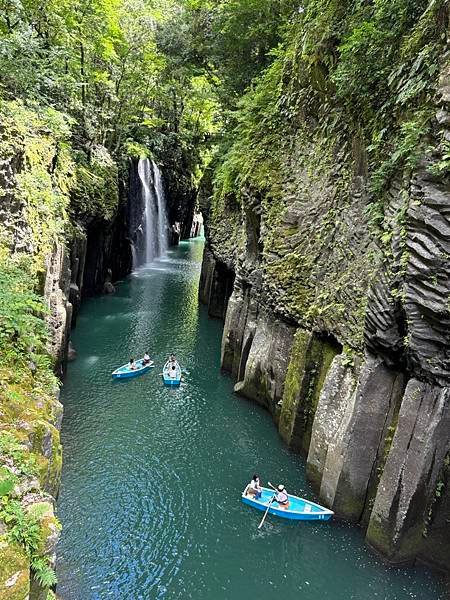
152,476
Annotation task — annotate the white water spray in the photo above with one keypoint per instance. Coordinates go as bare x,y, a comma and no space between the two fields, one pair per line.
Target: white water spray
161,204
152,238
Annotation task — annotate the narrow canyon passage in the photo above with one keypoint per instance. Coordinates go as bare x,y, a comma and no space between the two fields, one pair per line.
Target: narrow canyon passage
150,495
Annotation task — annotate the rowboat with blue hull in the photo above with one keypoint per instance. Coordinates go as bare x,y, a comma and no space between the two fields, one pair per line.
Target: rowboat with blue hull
124,372
171,376
298,509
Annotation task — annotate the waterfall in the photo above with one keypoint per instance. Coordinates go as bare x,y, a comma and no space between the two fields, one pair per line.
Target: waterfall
161,204
150,235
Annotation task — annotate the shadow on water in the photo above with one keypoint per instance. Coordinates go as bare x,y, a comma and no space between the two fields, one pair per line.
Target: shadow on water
152,476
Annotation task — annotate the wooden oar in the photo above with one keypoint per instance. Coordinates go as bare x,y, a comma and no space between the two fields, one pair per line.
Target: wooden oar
265,514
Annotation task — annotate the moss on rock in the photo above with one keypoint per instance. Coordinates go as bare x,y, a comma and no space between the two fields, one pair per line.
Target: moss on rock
14,571
310,360
293,384
96,193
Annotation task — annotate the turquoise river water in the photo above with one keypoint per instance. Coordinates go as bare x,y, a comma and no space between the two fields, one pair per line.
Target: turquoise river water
150,495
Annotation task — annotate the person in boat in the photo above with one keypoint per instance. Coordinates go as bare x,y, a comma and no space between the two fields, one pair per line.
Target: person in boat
172,360
146,358
254,487
282,497
172,372
132,364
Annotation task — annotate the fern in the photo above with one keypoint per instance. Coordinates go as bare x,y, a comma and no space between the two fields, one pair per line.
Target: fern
43,573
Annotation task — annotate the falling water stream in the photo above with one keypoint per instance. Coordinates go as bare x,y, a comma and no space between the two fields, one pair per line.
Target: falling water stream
161,204
152,239
150,495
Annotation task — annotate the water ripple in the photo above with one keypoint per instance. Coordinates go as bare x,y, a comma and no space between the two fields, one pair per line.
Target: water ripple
152,476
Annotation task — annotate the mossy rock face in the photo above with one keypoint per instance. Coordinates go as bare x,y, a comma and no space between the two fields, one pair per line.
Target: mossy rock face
293,384
45,440
95,195
226,234
379,538
310,360
55,467
53,450
37,156
50,527
14,572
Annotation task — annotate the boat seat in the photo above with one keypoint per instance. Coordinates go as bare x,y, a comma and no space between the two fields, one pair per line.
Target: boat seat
307,508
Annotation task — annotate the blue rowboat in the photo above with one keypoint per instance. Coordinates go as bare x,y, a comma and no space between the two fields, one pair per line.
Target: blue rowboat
298,509
171,377
124,372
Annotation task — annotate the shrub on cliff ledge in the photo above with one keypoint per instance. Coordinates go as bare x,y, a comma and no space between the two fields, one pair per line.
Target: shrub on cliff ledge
95,194
37,174
23,333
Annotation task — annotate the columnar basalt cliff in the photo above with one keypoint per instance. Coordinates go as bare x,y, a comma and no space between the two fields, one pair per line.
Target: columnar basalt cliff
338,321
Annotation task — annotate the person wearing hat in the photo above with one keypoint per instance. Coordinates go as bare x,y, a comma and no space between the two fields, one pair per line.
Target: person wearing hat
282,497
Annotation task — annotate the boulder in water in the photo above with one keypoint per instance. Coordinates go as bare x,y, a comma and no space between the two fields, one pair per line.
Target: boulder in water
108,288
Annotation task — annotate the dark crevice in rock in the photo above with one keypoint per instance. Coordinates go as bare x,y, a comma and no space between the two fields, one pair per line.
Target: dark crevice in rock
330,339
244,357
216,285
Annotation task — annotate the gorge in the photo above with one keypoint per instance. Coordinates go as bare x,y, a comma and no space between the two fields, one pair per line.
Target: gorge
149,499
314,141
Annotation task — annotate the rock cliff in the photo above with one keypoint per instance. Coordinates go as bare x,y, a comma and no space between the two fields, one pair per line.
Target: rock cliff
338,321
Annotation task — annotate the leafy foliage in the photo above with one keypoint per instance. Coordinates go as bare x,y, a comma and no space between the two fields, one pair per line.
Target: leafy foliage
12,449
345,69
43,572
24,529
23,334
96,191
